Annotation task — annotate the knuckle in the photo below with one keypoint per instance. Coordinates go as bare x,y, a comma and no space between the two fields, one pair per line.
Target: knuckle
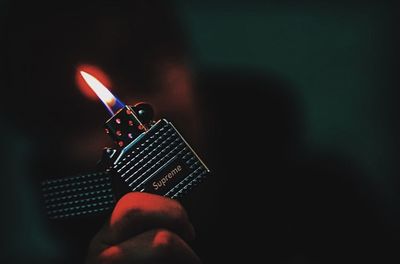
126,209
129,198
109,255
164,243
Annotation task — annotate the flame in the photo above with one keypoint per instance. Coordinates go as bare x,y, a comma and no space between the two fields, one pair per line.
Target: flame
99,89
109,100
95,71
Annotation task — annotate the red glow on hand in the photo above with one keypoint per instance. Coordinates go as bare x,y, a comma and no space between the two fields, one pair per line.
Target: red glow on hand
84,86
139,202
111,253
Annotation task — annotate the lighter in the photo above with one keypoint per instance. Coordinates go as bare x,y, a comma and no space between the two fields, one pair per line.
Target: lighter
150,156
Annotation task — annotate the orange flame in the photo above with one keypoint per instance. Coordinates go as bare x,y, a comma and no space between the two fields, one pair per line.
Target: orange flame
97,73
96,87
99,89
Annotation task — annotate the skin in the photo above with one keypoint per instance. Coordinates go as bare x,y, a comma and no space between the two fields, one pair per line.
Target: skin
144,228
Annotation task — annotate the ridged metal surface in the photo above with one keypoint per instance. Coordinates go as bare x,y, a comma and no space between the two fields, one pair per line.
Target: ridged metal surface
160,145
78,196
142,161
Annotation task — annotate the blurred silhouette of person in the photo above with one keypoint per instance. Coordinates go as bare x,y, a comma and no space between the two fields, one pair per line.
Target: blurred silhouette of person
268,198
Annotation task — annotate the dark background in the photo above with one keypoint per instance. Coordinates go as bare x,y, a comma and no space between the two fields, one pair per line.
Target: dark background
300,94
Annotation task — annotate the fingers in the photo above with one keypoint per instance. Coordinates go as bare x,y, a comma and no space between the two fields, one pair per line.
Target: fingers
137,212
144,228
154,246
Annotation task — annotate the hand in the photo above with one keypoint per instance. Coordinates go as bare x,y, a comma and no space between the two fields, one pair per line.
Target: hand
144,228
